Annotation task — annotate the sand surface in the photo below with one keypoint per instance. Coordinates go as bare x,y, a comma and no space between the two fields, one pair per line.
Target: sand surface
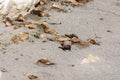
15,60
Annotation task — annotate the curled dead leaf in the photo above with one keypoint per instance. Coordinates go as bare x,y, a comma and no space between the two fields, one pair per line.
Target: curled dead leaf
55,0
45,14
83,1
31,25
66,45
54,6
8,22
71,35
45,61
24,36
31,76
50,31
60,38
15,39
44,25
42,2
40,13
20,18
92,41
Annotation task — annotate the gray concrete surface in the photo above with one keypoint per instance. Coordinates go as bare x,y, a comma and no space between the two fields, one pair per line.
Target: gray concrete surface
82,21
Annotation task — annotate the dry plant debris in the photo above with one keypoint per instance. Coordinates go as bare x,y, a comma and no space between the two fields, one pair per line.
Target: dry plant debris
20,18
90,59
58,7
24,36
66,45
68,40
40,13
15,39
45,61
31,76
31,25
50,31
8,22
92,41
42,2
16,26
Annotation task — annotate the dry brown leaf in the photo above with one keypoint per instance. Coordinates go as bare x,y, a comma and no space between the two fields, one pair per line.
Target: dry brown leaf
40,8
74,2
15,39
15,26
20,18
31,76
42,2
55,0
54,6
24,36
45,61
90,59
92,41
8,22
31,25
45,14
83,1
40,13
66,45
60,38
71,35
77,40
50,31
44,25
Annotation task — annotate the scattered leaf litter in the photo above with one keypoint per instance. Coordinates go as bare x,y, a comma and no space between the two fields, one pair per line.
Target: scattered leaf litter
31,76
20,18
8,22
31,25
45,61
24,36
15,39
92,41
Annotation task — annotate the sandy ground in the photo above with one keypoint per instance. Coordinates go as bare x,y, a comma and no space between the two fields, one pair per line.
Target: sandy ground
15,60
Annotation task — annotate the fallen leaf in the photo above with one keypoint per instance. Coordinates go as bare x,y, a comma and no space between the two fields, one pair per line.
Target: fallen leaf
42,2
15,39
44,25
74,2
31,76
71,35
20,18
45,14
90,59
16,26
54,6
50,31
66,45
77,40
60,38
83,1
45,61
55,0
40,13
24,36
8,22
92,41
31,25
